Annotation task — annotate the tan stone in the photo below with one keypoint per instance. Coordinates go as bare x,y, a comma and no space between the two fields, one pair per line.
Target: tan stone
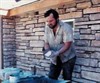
39,25
80,1
33,52
91,10
70,5
41,20
31,22
8,20
19,28
38,29
30,38
84,5
71,15
8,26
24,31
71,9
24,19
29,26
37,49
95,1
36,43
39,33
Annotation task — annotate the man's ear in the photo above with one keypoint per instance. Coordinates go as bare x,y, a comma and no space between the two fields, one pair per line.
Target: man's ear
58,20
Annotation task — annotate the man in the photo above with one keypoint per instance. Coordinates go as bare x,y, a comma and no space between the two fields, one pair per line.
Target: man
59,40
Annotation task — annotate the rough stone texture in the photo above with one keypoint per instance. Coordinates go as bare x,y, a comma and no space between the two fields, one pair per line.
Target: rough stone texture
95,43
71,15
71,9
83,61
85,19
95,16
81,26
36,43
92,69
95,27
85,31
91,10
84,5
77,68
97,35
9,44
87,37
91,75
80,1
82,42
95,1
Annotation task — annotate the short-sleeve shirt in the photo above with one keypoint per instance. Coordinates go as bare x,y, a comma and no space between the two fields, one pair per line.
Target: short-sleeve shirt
63,34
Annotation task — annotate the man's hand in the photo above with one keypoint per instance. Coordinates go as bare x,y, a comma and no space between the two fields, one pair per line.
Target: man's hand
54,54
45,51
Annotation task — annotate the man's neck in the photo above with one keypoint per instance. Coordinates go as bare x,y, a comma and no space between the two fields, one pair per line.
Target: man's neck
55,29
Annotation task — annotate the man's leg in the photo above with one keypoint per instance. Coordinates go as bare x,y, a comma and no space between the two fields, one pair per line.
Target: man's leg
55,69
68,69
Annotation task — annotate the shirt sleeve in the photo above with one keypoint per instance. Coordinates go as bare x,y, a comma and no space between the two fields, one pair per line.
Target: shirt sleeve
67,33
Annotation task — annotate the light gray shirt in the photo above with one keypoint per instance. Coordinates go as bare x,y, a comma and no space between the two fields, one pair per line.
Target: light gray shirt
63,34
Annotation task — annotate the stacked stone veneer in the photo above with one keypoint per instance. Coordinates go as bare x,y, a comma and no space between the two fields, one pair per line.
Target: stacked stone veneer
9,44
29,39
29,42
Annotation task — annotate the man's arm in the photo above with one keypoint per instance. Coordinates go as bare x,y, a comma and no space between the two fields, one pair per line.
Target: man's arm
46,46
65,47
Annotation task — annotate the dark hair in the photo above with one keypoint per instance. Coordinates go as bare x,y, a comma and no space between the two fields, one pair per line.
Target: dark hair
51,11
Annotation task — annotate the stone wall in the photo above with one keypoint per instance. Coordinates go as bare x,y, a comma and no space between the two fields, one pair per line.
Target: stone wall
9,44
29,42
87,27
29,39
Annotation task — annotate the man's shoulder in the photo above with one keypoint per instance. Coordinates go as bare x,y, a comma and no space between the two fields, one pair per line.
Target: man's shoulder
65,26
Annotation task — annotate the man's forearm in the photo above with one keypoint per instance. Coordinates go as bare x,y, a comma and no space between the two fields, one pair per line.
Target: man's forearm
65,47
46,46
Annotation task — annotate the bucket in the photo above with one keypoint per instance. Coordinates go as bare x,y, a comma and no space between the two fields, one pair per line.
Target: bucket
13,79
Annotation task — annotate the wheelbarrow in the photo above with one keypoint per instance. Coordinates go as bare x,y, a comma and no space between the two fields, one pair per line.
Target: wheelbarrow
41,79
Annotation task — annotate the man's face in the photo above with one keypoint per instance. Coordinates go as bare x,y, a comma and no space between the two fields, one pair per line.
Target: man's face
51,21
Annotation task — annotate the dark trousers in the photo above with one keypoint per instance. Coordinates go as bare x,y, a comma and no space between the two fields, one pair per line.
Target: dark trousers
66,67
